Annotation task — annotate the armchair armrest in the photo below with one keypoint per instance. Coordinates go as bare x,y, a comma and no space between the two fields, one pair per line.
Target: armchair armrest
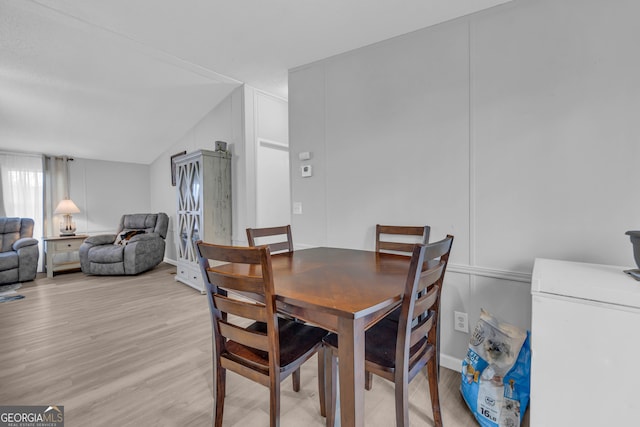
143,252
101,239
24,242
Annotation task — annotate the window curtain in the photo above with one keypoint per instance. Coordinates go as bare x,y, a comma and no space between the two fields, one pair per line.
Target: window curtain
22,184
56,188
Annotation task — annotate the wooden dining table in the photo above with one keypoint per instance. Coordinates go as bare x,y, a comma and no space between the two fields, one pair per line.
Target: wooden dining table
345,291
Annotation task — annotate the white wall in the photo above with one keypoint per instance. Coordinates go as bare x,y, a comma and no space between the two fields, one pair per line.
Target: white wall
265,119
104,191
512,129
223,123
240,119
273,193
271,120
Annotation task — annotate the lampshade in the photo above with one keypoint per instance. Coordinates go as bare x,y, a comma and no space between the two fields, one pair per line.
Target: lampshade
66,206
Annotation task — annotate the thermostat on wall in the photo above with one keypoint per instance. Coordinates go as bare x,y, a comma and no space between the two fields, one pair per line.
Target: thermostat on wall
306,171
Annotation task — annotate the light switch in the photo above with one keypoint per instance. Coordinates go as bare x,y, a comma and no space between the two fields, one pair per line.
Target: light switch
297,208
304,155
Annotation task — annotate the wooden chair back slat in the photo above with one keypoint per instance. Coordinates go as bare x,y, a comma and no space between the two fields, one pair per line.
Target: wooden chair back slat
395,247
235,282
420,353
222,253
285,245
430,276
440,249
245,309
401,229
280,247
400,233
242,336
247,370
426,301
422,328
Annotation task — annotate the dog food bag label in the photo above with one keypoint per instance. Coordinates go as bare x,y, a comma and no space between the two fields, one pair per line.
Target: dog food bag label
495,373
496,342
510,414
490,400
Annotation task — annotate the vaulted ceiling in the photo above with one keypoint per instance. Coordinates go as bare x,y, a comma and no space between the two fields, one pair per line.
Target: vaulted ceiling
123,80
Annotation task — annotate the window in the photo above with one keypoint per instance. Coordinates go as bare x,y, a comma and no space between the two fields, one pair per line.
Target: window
21,177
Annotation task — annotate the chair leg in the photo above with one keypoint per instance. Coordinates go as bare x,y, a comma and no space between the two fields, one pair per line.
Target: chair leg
321,380
274,400
402,401
295,380
330,384
368,380
219,384
432,370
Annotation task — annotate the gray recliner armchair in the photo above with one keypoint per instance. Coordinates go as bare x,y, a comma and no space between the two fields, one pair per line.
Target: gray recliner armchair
18,251
138,246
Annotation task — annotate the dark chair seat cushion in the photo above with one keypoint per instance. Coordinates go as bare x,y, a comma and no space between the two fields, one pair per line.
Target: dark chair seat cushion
296,339
394,315
379,343
379,348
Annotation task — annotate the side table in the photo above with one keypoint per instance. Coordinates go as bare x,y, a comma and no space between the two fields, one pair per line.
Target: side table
68,245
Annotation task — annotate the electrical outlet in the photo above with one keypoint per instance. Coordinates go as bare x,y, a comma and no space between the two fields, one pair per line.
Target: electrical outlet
460,322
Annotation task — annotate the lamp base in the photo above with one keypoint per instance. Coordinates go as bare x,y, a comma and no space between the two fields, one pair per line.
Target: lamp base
67,226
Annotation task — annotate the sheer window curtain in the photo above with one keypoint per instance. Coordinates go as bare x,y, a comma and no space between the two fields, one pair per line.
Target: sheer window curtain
22,189
56,188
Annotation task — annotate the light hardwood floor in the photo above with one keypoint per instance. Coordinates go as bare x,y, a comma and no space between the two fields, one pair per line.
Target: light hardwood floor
136,351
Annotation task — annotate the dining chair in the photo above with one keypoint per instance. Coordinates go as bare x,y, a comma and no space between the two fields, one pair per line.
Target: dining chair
399,351
248,337
400,240
399,244
279,240
267,235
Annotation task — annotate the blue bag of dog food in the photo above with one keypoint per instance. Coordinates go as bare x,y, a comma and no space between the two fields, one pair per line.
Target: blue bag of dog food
496,373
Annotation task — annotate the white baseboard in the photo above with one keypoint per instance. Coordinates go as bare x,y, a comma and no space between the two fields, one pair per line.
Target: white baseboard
450,362
170,261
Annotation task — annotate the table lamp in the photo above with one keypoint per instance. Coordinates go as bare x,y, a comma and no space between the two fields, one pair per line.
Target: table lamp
66,207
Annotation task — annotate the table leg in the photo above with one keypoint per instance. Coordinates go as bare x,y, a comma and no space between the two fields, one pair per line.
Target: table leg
351,371
48,263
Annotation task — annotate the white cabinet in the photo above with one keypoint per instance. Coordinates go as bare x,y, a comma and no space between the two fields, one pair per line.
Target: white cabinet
203,180
584,328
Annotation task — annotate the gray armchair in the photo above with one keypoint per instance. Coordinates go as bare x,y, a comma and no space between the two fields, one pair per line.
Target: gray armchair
18,250
138,246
